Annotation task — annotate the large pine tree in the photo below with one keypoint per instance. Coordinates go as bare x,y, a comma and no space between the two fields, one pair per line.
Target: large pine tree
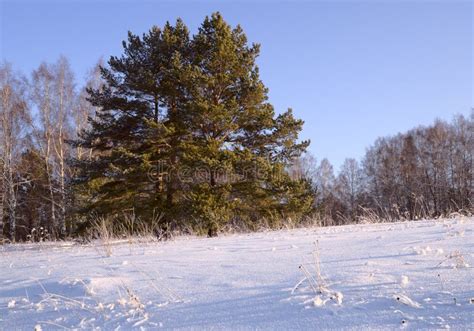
135,126
185,128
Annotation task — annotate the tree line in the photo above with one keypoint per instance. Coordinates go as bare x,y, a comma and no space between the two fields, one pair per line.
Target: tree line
427,172
38,115
178,128
178,131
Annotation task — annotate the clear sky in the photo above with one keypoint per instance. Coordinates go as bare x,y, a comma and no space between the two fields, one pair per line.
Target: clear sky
353,70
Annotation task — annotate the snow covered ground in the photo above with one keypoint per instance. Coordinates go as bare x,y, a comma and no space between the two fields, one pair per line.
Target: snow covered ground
400,275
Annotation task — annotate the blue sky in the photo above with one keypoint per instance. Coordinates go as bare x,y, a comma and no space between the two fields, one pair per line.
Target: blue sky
353,70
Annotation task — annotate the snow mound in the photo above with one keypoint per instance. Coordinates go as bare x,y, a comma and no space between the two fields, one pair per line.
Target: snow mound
104,286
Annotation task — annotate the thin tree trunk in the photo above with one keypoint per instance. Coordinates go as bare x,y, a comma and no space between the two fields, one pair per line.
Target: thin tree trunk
50,181
7,172
1,211
11,202
62,221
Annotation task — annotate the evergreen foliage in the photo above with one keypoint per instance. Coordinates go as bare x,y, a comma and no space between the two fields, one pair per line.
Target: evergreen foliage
184,127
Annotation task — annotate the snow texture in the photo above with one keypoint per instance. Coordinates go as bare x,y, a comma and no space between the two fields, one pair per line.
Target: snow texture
382,276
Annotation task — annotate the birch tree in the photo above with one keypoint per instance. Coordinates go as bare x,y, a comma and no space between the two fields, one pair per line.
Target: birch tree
84,110
54,95
13,120
349,185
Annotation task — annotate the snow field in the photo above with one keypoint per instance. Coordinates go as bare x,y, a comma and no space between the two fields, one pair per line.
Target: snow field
399,275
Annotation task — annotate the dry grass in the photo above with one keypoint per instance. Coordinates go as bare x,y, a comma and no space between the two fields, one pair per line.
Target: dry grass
102,228
318,284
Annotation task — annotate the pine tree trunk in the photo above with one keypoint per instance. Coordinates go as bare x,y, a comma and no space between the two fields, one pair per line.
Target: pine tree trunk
170,189
213,178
